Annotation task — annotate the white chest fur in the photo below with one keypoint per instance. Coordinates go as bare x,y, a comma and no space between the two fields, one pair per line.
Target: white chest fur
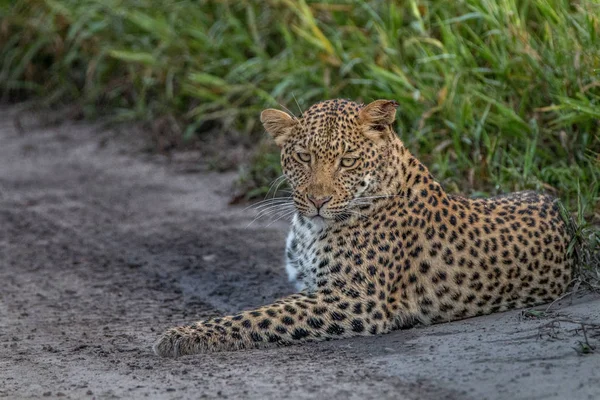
301,253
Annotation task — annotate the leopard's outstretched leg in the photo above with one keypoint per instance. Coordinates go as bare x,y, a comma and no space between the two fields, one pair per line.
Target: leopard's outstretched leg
298,318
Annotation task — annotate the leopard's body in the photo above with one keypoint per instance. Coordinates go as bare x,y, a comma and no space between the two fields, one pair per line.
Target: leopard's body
376,244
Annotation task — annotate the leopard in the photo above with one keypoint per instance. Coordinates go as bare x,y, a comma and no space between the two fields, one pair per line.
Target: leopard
376,244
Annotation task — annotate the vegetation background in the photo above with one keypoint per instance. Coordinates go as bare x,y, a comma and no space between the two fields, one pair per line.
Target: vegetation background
496,95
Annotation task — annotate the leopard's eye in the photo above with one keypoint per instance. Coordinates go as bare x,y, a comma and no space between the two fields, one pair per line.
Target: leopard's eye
348,162
304,157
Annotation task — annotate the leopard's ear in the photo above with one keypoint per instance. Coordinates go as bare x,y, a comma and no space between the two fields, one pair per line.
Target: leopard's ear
377,118
278,124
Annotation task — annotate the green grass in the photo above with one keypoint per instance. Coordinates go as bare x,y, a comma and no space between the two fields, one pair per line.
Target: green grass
496,95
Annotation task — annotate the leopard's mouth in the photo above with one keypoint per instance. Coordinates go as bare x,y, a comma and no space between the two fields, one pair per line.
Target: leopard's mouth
325,216
318,216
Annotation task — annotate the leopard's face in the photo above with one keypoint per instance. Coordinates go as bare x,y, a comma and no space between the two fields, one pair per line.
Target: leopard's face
331,155
328,163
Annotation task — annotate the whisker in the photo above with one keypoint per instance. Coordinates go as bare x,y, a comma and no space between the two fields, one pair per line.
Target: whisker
379,197
277,214
260,217
274,209
282,216
281,182
298,104
274,203
267,201
356,213
276,181
271,211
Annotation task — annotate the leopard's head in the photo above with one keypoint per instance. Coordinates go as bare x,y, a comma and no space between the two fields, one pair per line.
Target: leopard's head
334,153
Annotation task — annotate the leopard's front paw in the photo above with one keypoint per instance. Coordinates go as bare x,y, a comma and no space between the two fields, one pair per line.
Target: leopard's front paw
177,342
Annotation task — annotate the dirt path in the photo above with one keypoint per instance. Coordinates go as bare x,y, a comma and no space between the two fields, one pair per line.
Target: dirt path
102,248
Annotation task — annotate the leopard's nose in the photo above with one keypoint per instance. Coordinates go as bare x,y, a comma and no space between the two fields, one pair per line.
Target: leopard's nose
318,201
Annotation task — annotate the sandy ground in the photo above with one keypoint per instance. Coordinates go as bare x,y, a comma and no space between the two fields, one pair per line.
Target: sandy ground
103,247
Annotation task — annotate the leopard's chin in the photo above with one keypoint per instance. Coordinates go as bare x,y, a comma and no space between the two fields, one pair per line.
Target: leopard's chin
318,221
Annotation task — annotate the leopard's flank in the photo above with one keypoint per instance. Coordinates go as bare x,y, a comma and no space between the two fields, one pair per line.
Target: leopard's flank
376,244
